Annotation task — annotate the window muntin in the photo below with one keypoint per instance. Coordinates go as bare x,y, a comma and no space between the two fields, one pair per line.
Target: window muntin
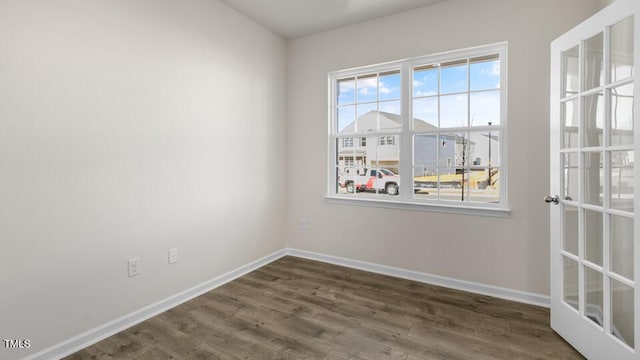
453,144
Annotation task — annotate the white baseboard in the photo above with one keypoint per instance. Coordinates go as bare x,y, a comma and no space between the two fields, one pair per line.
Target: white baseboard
92,336
477,288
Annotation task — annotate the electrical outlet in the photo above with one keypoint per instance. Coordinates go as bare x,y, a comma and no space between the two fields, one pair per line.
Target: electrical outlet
304,225
134,267
173,255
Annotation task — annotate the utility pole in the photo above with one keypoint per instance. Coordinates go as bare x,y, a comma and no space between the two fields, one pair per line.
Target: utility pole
490,183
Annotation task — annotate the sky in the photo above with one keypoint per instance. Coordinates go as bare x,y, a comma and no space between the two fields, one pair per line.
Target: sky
484,106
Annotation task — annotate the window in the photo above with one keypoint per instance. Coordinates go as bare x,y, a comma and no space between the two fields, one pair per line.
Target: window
439,120
387,140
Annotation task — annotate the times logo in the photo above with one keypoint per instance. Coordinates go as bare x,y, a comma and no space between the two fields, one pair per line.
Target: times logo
16,343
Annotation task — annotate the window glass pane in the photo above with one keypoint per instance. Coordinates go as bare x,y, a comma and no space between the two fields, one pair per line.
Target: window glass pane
425,113
356,161
453,111
346,91
453,77
364,109
622,50
594,299
484,73
425,182
389,86
570,225
593,233
425,81
369,118
485,108
454,150
484,148
622,115
571,65
346,119
570,162
388,156
345,181
390,116
570,283
593,109
571,124
425,149
621,230
622,185
484,185
367,88
453,184
593,178
622,312
593,67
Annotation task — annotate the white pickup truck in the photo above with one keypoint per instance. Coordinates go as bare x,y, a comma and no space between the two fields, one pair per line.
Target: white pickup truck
382,180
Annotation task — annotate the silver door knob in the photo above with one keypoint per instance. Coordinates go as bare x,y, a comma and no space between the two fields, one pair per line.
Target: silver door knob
551,199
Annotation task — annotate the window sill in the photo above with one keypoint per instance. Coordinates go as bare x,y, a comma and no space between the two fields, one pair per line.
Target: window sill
416,206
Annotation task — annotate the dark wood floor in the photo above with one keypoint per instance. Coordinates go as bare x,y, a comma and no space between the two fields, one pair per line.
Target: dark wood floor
301,309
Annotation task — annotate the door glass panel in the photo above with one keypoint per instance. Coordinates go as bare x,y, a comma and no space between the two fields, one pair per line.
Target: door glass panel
593,178
622,312
593,110
593,67
571,68
622,50
593,292
621,230
571,229
570,288
622,186
571,179
571,124
593,236
622,115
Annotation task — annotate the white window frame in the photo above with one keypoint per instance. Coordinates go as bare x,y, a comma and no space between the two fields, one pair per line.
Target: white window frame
405,198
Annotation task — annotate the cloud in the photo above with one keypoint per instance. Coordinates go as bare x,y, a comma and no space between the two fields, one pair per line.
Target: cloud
495,68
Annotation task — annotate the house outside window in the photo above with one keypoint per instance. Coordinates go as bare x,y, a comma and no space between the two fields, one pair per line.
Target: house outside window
438,121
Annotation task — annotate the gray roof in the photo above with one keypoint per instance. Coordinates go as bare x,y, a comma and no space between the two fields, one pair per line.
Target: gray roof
368,123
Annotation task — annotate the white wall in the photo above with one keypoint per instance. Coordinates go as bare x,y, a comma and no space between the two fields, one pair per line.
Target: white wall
604,3
512,252
127,128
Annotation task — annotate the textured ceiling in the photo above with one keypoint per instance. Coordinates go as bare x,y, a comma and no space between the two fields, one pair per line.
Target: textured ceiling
294,18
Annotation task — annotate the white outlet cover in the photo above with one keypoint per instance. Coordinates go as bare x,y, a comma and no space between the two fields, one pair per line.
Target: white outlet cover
134,267
173,255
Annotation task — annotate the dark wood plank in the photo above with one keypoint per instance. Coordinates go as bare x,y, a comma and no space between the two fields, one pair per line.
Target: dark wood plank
301,309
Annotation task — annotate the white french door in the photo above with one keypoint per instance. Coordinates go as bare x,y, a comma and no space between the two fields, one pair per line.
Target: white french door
595,302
